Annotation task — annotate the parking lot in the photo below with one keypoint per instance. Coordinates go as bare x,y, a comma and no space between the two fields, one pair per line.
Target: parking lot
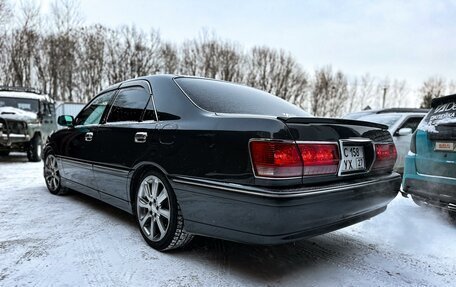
76,240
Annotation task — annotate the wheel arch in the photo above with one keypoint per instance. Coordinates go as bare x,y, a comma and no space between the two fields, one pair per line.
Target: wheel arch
139,171
47,150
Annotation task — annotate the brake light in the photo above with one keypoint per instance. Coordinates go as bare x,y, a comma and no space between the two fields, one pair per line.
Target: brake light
275,159
288,159
386,156
319,159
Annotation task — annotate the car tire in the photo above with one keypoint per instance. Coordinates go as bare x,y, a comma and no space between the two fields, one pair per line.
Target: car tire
35,149
4,153
52,175
158,213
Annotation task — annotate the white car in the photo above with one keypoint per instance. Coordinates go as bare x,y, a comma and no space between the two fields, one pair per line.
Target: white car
401,123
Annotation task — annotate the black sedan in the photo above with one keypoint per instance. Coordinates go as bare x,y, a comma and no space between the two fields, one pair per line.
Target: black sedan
194,156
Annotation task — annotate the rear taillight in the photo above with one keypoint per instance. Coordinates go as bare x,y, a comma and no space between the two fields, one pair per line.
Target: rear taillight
287,159
275,159
385,156
319,159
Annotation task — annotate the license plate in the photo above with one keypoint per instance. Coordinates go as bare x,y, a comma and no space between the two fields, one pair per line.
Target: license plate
445,146
352,159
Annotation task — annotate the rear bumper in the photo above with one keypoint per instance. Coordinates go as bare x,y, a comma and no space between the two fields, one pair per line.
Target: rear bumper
435,190
266,216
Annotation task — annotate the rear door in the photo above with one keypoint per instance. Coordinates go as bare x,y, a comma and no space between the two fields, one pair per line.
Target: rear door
123,139
78,149
436,140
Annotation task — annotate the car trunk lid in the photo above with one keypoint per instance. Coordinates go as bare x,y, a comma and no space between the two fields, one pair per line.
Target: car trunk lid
358,142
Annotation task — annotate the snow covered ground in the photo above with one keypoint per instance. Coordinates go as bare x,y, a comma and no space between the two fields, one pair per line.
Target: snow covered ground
74,240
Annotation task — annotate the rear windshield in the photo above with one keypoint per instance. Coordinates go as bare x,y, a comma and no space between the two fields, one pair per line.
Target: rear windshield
223,97
384,119
443,114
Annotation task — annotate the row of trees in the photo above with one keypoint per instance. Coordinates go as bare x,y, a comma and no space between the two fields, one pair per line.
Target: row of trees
72,62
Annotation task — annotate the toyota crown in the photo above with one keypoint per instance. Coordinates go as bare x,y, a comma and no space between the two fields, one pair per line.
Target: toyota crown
194,156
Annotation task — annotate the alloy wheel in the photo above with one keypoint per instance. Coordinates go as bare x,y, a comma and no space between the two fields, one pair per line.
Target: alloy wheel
153,208
51,173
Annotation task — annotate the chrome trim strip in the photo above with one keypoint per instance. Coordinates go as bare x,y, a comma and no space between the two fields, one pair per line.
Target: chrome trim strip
94,164
435,176
265,193
317,142
118,170
72,161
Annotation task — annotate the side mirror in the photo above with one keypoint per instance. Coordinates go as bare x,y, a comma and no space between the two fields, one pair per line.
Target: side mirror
66,121
405,132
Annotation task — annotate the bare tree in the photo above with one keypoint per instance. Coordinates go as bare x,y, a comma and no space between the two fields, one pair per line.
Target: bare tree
353,96
66,18
66,15
329,92
277,72
5,12
91,61
169,58
432,88
132,53
209,56
22,41
367,91
397,97
451,87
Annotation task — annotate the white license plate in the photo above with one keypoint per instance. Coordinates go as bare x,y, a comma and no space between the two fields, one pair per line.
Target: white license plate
445,146
352,159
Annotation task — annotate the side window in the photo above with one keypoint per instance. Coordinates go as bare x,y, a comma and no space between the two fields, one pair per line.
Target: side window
92,113
412,123
129,105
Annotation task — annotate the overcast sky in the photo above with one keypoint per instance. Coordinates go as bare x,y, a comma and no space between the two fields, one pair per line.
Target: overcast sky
409,40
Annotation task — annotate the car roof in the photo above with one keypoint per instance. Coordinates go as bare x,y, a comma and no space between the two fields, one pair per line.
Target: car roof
421,114
387,111
24,95
442,100
402,110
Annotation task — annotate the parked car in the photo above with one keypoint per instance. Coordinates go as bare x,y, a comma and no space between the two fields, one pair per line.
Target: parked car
430,167
27,117
402,123
357,115
194,156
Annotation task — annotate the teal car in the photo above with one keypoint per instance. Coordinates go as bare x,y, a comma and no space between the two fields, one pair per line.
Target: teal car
430,166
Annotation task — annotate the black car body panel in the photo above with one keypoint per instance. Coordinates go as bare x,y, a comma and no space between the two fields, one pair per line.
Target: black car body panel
205,156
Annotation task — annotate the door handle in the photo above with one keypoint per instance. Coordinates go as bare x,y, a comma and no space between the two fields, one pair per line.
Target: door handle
140,137
88,136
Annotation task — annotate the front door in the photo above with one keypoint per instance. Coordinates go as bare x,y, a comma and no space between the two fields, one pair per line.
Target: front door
78,149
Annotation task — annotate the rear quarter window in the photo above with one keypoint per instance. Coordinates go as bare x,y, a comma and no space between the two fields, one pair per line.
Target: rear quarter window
224,97
442,114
